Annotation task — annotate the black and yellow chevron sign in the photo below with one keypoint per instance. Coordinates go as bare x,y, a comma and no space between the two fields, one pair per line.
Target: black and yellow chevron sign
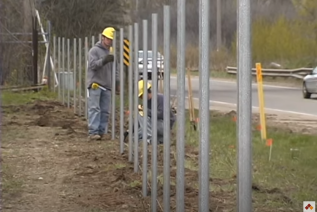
126,52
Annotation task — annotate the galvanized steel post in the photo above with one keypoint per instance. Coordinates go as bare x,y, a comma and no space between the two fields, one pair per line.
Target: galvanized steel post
180,190
113,89
59,66
121,92
92,41
167,109
80,76
68,72
63,71
154,113
130,93
244,180
48,60
145,106
54,60
86,71
204,106
136,100
75,75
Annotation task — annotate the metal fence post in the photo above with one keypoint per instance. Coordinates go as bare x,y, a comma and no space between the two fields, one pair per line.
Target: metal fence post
204,102
68,72
86,71
113,90
130,93
145,110
154,113
80,78
59,66
244,194
48,60
54,60
92,41
75,75
136,100
180,189
167,109
121,92
63,70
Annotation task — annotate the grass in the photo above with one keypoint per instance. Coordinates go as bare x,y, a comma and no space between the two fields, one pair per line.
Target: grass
10,98
11,185
288,177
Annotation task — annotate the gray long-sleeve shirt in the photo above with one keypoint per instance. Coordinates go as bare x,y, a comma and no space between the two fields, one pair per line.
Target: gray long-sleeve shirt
98,73
160,109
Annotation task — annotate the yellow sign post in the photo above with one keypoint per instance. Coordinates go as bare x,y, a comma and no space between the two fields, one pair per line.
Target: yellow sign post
261,100
126,51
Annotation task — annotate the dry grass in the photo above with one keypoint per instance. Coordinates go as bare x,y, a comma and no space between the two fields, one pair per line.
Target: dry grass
219,60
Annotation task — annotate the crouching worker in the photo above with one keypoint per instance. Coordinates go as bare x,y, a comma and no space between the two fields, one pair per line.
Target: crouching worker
160,114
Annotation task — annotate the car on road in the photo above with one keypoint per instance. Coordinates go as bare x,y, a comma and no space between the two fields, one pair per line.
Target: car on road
310,84
159,66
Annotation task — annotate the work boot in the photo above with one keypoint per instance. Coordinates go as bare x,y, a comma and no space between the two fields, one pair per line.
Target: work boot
94,137
105,136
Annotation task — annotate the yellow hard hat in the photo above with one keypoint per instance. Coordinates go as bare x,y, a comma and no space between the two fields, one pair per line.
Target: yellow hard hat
108,32
141,87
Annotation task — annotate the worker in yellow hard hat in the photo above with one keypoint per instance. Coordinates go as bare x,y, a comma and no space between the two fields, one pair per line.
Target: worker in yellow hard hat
99,84
160,112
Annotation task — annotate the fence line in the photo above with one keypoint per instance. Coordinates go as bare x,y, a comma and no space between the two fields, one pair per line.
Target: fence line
73,81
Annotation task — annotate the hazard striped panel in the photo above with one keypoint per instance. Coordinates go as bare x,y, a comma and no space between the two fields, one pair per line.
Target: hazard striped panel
126,52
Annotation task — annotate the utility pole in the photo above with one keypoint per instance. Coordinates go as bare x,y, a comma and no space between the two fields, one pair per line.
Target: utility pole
219,25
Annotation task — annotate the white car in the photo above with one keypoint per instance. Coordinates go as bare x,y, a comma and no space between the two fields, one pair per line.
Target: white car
310,84
159,66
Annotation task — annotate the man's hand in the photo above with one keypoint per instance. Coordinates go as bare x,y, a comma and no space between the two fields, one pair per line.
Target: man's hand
107,59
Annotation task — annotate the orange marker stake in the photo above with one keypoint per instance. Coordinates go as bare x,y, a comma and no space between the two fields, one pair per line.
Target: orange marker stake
269,142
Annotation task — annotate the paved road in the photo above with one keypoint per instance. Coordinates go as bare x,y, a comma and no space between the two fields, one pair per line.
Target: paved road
277,98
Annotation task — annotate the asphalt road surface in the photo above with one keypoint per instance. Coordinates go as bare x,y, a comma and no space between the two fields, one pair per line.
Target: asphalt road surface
277,98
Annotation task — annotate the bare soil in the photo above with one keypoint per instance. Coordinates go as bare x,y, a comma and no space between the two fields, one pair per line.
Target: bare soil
49,165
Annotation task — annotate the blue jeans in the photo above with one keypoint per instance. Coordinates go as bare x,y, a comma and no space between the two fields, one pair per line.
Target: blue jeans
98,111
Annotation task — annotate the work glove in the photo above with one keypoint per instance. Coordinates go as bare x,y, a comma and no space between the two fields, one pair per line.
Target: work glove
107,59
140,108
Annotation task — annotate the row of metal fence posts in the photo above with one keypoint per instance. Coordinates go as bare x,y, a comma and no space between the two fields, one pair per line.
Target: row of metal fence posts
69,92
244,159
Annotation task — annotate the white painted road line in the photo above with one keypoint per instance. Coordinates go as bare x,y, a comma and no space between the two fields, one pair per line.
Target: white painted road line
266,109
